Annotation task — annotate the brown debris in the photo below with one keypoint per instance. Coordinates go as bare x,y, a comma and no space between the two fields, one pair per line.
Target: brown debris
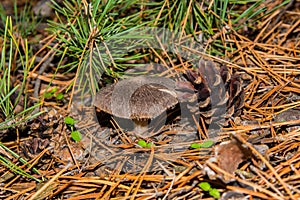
230,154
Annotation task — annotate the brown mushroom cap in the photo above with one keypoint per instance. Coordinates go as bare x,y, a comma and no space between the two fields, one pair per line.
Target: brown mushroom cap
147,101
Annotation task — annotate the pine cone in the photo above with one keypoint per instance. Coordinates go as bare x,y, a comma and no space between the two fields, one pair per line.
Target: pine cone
219,94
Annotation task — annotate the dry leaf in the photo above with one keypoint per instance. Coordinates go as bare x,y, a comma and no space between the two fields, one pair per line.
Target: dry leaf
230,154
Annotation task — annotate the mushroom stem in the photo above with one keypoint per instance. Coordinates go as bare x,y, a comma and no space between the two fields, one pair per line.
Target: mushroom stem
140,126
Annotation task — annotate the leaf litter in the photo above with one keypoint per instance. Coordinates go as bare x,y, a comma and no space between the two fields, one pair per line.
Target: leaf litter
257,157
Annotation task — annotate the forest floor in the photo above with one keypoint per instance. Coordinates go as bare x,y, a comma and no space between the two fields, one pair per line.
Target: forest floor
49,156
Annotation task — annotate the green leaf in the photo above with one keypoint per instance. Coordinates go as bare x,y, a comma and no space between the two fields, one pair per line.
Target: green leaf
205,186
48,94
76,135
150,144
207,144
195,145
69,121
214,193
59,96
142,143
54,90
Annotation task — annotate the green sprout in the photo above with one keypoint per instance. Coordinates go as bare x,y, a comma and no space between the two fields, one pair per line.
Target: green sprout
76,135
142,143
205,186
59,96
69,121
214,193
205,144
53,93
145,144
150,144
48,95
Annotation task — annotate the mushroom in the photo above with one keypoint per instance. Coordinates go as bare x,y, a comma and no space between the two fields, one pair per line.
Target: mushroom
140,99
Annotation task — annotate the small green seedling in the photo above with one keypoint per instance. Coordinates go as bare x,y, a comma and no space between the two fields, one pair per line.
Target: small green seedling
52,93
76,135
69,121
205,186
205,144
195,146
145,144
214,193
48,95
150,144
142,143
59,96
54,90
